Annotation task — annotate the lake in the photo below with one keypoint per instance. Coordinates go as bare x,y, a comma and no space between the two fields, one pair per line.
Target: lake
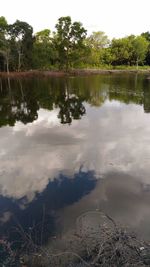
70,145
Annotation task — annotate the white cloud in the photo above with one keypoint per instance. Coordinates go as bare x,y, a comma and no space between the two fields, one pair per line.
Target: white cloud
49,119
111,138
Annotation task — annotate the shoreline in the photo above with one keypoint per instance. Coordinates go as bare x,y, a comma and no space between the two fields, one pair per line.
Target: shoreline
75,72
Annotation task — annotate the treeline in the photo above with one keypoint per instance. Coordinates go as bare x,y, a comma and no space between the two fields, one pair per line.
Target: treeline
67,47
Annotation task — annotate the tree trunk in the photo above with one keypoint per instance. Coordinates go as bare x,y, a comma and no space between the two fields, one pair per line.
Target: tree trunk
7,63
137,63
67,60
6,59
1,85
19,60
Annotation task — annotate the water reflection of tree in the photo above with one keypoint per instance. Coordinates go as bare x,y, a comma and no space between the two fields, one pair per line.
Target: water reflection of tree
146,91
133,89
21,99
70,106
16,104
128,90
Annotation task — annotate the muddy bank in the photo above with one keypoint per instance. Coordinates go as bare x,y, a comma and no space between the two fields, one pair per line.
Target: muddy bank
32,73
105,71
76,72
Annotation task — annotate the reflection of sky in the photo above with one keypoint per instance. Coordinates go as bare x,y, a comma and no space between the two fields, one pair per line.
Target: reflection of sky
115,137
119,195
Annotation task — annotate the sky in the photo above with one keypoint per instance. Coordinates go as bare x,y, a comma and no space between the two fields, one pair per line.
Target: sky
117,18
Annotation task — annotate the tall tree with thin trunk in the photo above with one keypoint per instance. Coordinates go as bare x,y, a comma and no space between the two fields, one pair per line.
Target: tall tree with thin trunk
140,46
69,40
4,43
21,35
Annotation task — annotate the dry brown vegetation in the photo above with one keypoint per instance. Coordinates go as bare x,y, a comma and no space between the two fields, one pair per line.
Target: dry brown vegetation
96,241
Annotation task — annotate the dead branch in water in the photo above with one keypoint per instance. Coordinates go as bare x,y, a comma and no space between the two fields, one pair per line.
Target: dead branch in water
97,242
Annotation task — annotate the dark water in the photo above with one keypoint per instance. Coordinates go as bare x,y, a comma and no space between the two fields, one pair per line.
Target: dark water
69,145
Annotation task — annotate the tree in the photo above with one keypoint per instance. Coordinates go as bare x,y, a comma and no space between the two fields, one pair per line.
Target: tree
4,44
106,56
98,40
3,24
122,50
69,41
140,46
22,39
129,50
146,35
44,52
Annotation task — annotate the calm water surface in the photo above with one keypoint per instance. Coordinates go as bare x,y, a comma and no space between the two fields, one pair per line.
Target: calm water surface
69,145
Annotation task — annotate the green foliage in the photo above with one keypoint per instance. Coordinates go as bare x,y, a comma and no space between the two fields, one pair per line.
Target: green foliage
68,47
22,42
97,43
98,40
122,50
44,52
140,46
146,35
4,43
129,50
3,23
69,41
16,43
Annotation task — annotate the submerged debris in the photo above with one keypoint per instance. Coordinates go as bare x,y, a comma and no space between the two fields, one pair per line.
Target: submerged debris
97,241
